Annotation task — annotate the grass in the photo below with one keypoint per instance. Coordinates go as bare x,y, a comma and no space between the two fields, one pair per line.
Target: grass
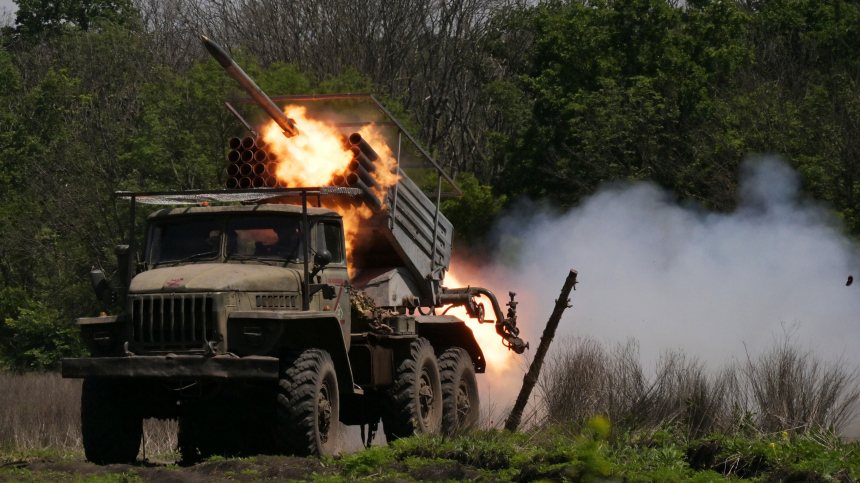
786,388
775,416
41,419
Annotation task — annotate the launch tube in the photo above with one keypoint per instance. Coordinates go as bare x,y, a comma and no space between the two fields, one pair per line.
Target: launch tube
259,169
245,182
260,143
371,199
246,170
356,140
258,182
260,156
271,181
232,183
234,143
256,93
358,155
234,156
272,169
247,156
232,170
367,178
247,142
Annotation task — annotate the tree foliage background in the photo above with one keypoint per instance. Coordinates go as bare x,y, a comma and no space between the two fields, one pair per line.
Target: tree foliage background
545,100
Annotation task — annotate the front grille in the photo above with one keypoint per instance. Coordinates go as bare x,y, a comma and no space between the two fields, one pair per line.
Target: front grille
173,322
275,301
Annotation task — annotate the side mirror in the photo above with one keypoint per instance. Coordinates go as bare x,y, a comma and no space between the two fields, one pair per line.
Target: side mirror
122,258
101,287
322,258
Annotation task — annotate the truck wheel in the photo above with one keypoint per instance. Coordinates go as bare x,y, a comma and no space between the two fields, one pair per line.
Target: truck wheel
308,410
460,403
413,404
110,426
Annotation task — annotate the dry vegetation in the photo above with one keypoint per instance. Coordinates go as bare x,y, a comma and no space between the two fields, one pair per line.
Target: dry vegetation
786,388
783,389
41,412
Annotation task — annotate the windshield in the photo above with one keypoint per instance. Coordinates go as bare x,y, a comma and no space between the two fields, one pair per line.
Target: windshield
264,237
247,238
200,239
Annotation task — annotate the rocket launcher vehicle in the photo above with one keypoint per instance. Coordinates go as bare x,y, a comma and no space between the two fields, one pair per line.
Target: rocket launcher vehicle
402,251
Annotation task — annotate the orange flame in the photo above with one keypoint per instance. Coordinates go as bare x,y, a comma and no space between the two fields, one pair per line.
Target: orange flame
498,357
318,156
313,157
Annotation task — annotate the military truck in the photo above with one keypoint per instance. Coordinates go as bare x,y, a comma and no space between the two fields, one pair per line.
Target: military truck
242,321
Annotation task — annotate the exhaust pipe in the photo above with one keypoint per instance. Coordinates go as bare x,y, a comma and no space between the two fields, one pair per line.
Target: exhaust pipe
256,93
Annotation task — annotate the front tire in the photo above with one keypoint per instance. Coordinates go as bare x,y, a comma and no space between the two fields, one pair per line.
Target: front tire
308,410
413,404
110,426
460,403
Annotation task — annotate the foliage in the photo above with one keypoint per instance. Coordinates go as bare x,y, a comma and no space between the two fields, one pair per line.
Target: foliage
473,213
34,337
36,17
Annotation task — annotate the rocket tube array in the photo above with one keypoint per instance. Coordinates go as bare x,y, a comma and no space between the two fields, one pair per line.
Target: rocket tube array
251,165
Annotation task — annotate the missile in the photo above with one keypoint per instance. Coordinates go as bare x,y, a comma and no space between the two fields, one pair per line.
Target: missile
249,85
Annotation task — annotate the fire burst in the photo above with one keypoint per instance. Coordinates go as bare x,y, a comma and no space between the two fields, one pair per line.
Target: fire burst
499,358
319,156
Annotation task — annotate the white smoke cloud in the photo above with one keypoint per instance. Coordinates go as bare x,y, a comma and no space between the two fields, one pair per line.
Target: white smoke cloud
674,276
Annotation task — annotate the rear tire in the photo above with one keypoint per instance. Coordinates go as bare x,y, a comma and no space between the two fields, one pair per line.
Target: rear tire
461,405
308,410
110,426
413,404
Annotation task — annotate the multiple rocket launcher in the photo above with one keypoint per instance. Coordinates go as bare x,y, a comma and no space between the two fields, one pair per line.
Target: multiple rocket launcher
253,166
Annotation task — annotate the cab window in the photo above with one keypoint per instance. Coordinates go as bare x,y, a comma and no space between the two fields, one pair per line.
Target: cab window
264,237
332,240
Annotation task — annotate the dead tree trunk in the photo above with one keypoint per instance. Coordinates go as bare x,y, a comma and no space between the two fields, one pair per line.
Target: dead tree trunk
531,378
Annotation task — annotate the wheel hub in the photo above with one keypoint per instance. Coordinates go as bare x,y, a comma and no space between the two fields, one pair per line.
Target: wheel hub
464,404
425,394
323,413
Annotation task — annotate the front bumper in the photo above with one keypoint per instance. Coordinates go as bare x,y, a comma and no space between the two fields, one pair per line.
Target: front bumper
174,367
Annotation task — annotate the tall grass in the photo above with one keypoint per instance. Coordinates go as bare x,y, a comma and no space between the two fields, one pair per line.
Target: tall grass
41,413
784,388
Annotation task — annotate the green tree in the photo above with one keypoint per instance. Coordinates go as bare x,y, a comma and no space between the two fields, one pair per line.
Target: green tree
35,17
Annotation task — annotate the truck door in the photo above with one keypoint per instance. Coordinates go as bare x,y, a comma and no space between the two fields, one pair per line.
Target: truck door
336,274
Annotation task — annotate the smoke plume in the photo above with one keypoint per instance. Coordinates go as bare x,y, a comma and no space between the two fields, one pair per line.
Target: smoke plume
675,276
